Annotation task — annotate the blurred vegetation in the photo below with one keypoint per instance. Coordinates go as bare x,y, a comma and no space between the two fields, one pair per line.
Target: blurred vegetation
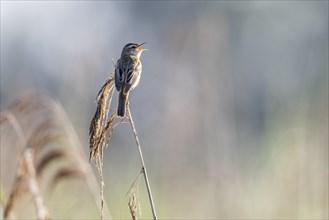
42,154
231,110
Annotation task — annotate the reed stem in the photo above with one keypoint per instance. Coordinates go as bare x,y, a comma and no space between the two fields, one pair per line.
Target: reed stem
143,164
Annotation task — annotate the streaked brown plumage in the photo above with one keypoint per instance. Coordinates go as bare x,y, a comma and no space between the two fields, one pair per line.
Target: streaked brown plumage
128,70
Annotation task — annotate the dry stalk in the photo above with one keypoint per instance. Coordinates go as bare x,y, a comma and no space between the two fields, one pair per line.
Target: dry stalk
99,127
143,164
101,131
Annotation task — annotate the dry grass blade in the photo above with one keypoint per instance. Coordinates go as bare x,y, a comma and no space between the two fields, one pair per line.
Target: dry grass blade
96,124
51,157
44,133
17,189
38,120
101,123
108,81
26,103
11,118
66,173
3,118
33,186
99,153
106,128
25,173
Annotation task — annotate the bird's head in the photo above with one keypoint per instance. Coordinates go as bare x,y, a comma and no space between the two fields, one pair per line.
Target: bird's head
133,48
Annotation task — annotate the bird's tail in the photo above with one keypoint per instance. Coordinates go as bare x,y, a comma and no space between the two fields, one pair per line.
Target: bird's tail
122,102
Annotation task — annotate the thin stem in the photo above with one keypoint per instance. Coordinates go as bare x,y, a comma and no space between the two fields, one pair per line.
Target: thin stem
142,162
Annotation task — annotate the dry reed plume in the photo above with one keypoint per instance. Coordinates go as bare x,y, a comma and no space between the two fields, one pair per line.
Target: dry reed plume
133,206
44,137
100,133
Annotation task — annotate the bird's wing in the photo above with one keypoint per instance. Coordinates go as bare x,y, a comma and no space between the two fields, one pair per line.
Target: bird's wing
132,76
119,76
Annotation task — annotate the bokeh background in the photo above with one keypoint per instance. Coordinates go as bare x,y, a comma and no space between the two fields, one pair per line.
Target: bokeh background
231,110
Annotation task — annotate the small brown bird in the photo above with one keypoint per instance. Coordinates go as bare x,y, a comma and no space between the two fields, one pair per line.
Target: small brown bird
128,71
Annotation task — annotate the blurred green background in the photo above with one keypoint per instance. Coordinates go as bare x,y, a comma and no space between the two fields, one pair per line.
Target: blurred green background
231,109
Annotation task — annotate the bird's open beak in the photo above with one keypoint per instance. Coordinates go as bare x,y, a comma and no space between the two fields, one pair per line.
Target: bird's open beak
142,49
142,44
